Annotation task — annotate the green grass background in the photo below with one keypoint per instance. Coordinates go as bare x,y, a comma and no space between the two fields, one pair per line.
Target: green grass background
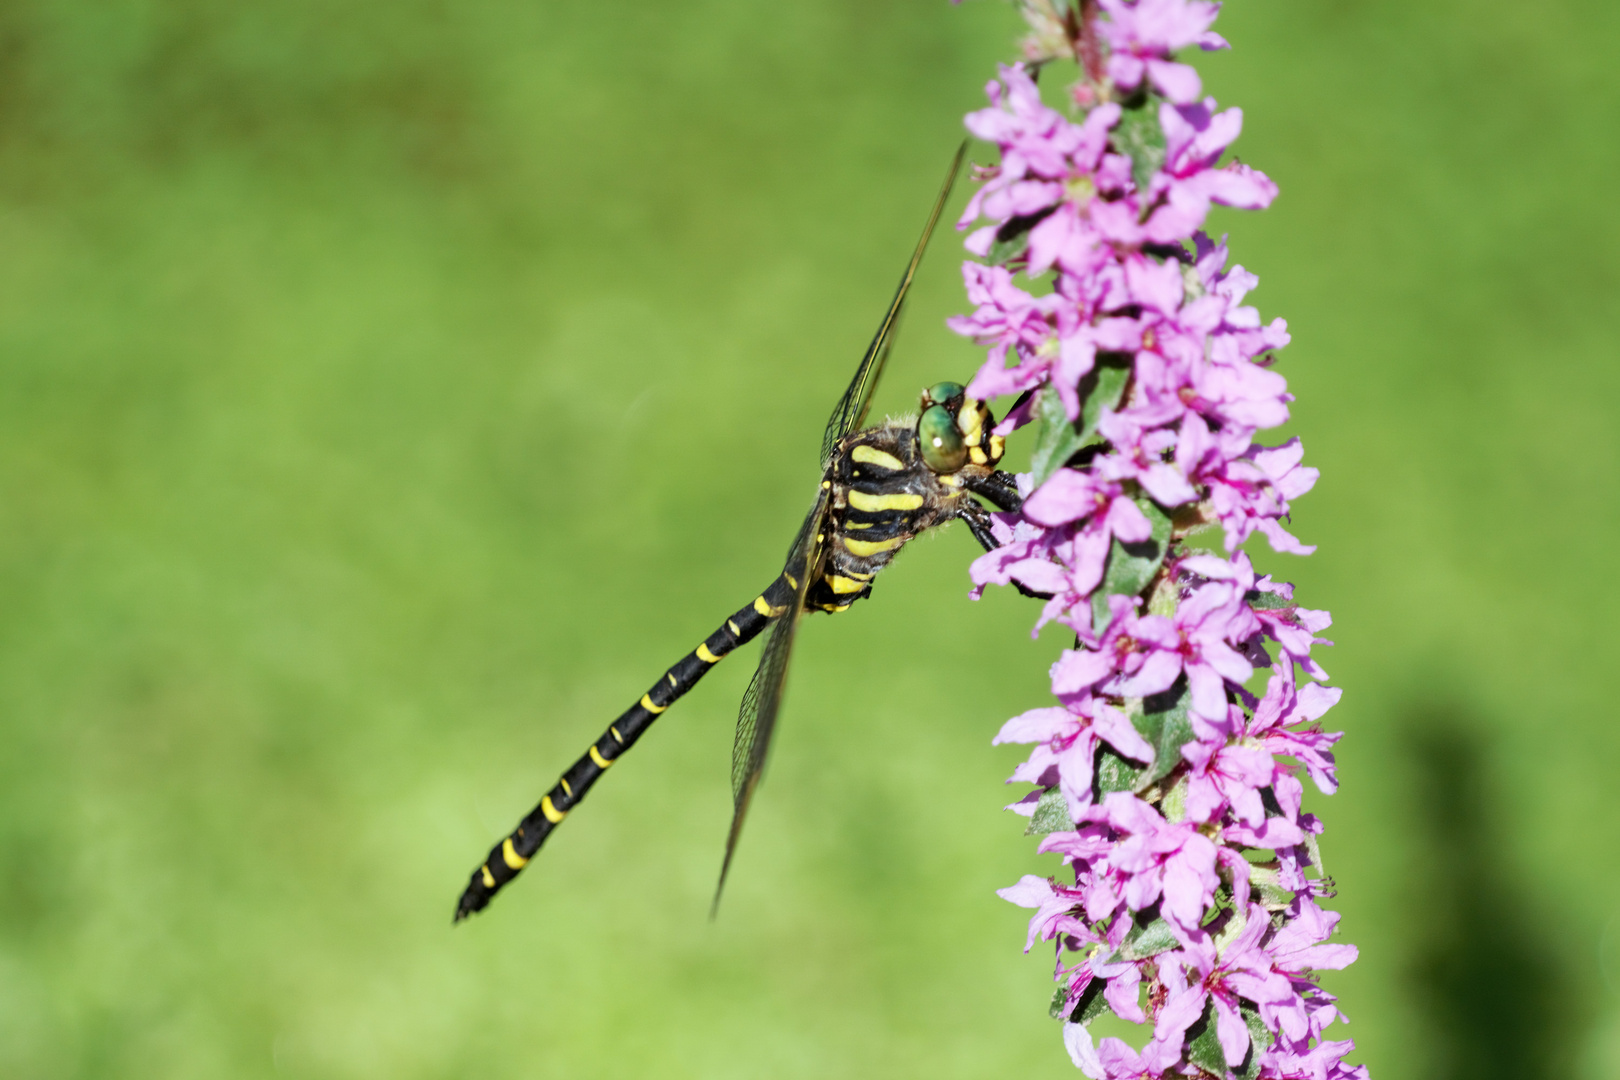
389,391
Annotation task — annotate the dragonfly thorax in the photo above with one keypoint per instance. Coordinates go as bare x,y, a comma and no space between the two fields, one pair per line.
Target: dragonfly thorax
884,490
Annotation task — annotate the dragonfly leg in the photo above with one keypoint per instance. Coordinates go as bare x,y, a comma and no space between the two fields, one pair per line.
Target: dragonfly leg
999,488
978,523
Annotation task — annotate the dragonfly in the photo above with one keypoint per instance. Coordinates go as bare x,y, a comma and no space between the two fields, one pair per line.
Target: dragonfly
880,487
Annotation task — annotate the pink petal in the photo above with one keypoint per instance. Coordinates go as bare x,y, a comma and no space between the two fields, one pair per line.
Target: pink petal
1179,1014
1177,82
1121,995
1125,70
1126,521
1232,1032
1078,1042
1117,730
1030,892
1077,670
1118,1058
1036,725
1066,496
1156,674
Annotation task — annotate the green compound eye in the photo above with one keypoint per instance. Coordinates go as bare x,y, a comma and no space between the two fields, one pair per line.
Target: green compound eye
940,441
940,393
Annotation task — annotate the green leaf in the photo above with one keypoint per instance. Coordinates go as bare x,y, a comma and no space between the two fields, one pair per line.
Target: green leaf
1259,1039
1113,773
1266,601
1174,803
1091,1005
1140,135
1163,723
1150,940
1161,719
1267,885
1274,897
1315,852
1132,566
1203,1047
1057,438
1101,388
1012,238
1051,814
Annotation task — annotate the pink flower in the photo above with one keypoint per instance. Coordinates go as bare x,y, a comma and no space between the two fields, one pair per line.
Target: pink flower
1150,860
1120,1062
1195,136
1052,903
1094,512
1293,951
1143,34
1201,974
1011,321
1126,643
1067,741
1195,642
1161,905
1250,491
1280,709
1229,775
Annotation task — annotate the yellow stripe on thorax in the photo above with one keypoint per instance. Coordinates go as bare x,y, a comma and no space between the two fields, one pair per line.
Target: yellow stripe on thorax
867,548
843,585
510,855
871,455
969,422
553,814
860,500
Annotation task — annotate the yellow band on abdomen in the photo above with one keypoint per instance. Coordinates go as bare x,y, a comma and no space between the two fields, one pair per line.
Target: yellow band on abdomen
510,855
601,762
651,706
860,500
867,548
553,814
705,655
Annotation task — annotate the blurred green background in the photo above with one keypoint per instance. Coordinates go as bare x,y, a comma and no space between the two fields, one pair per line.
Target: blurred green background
389,391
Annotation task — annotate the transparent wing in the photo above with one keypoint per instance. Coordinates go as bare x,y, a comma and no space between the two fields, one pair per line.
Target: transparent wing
756,720
850,412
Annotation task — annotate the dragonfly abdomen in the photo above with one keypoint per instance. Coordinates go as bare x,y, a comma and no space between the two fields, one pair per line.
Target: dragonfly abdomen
508,858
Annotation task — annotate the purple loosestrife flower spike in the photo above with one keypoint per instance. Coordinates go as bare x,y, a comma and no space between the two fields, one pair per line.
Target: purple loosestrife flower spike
1171,789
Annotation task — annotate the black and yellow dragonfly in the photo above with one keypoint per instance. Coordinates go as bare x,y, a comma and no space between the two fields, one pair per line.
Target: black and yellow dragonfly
880,487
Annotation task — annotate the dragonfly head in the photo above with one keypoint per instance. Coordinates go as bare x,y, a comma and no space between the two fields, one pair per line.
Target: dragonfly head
954,430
